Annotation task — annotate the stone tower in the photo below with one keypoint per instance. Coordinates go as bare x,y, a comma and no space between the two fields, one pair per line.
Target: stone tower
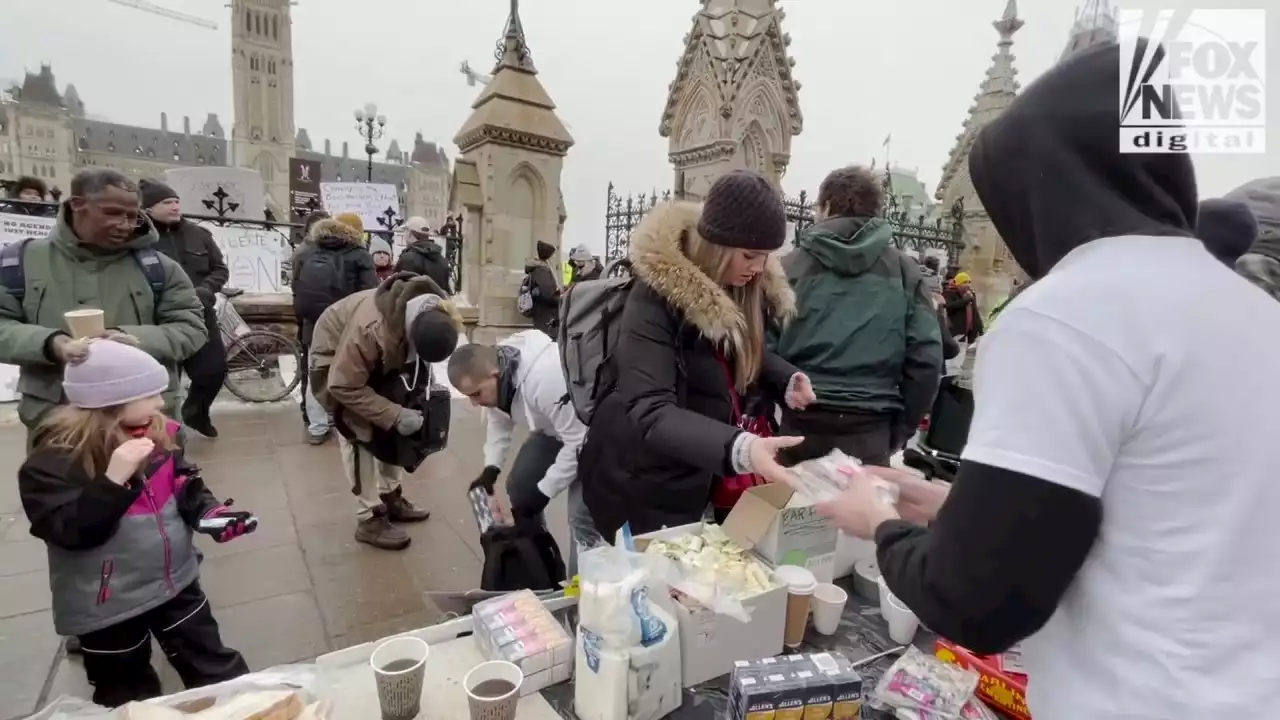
734,103
506,183
1095,24
985,258
262,137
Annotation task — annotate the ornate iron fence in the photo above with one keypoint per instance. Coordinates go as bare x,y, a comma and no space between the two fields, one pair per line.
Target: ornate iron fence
452,232
799,212
621,215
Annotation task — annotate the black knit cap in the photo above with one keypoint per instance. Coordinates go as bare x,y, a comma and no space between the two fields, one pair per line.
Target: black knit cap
743,210
1227,228
433,335
154,192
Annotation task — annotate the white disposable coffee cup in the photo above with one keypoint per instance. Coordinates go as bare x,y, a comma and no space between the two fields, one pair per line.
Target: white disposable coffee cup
85,323
493,707
903,623
828,605
399,670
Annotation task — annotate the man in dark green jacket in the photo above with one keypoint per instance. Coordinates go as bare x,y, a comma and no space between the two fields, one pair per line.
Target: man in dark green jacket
865,331
94,258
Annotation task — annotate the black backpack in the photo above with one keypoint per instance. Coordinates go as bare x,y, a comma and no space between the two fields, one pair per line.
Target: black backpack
517,558
322,281
13,274
433,401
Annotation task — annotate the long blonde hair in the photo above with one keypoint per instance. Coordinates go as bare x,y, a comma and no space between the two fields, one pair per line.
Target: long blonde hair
714,261
91,436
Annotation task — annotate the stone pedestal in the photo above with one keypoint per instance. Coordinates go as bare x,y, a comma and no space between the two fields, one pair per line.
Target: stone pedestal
268,311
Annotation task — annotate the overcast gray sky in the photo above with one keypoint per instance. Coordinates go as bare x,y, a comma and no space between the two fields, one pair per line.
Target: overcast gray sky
910,67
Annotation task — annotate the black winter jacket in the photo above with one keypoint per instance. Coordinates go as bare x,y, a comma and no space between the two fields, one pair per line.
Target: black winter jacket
331,236
424,257
193,247
657,444
963,316
546,297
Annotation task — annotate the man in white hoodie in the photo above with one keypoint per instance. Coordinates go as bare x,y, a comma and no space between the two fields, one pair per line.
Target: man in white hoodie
520,378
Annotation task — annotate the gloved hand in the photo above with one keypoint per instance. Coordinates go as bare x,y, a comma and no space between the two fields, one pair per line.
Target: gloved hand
530,507
224,524
409,421
488,478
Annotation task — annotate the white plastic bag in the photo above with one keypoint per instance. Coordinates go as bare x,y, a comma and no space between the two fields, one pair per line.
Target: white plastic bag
823,479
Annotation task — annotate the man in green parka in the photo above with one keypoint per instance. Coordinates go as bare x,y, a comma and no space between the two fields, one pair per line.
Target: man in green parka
865,331
94,258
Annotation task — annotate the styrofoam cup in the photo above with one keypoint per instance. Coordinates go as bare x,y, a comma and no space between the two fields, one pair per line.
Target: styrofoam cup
828,605
903,623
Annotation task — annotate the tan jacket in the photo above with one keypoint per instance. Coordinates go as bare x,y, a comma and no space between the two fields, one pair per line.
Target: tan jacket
357,336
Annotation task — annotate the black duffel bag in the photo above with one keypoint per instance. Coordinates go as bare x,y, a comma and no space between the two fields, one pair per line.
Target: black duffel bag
410,389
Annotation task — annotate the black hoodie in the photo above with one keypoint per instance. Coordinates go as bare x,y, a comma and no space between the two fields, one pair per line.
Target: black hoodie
1005,547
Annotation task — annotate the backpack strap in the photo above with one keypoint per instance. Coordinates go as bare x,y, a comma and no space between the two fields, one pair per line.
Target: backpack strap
13,274
148,260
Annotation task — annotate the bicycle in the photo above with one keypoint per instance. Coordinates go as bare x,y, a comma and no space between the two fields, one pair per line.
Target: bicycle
257,371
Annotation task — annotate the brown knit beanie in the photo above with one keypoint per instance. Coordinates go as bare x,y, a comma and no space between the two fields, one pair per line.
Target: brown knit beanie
743,210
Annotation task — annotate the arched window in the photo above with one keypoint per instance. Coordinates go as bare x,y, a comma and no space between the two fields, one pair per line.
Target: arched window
84,143
275,27
248,21
257,23
111,147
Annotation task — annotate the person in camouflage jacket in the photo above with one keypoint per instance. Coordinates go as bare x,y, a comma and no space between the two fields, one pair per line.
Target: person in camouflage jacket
1261,265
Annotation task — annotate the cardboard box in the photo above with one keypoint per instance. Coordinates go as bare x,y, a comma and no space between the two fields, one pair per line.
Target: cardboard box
711,643
784,528
1004,691
822,685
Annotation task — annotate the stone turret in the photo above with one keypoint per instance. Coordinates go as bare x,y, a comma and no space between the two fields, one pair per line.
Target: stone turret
506,182
734,103
986,258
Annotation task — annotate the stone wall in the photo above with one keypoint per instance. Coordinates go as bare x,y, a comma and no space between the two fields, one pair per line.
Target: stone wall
274,312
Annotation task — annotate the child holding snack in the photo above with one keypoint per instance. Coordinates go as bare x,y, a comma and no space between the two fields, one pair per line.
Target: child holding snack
108,491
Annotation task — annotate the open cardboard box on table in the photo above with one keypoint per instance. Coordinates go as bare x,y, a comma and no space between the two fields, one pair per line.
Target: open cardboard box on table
782,527
709,643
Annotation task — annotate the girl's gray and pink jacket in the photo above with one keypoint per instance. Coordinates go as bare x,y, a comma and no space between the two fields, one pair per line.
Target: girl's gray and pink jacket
115,552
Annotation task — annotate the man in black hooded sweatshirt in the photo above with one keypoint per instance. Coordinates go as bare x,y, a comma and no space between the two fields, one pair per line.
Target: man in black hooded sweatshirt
1116,504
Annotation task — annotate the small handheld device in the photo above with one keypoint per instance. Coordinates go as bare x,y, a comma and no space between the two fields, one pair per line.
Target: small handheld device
216,524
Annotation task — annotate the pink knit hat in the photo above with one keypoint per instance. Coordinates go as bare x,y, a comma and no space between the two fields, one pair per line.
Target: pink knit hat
113,374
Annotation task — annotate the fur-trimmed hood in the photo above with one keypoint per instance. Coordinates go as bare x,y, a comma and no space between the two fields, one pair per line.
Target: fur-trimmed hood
658,258
330,233
391,299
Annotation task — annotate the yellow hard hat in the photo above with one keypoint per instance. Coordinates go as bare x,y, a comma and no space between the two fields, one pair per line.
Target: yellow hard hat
962,278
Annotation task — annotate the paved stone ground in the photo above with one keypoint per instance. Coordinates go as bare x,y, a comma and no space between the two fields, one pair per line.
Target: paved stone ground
298,587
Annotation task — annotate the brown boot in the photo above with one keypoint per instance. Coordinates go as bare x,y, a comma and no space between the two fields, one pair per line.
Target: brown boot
380,533
401,510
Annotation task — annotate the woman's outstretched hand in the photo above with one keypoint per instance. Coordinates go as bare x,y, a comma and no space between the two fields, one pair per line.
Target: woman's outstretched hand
764,457
800,393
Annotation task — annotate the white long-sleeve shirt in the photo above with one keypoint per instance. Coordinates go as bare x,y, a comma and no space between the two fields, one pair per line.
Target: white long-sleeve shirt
541,398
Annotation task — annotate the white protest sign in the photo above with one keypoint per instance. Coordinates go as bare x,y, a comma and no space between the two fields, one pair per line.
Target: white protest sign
15,228
20,227
243,187
254,257
368,200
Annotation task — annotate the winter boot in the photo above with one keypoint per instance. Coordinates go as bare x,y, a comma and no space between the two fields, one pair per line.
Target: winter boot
401,510
380,533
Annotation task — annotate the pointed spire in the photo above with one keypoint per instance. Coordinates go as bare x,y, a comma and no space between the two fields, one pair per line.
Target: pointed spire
513,50
998,90
1095,24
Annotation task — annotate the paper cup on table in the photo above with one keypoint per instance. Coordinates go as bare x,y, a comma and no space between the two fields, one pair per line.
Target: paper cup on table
85,323
800,587
493,690
399,668
902,622
828,606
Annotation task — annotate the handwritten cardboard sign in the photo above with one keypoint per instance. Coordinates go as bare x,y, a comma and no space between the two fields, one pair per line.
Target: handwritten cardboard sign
368,200
254,257
243,187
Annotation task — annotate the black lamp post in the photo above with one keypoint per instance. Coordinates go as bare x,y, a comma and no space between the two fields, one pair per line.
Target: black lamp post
370,125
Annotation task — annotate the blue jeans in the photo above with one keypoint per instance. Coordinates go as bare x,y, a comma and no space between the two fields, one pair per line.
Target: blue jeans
535,457
318,421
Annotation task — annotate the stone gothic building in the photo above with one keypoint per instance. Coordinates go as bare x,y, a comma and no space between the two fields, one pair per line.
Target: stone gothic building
506,183
46,133
734,103
986,258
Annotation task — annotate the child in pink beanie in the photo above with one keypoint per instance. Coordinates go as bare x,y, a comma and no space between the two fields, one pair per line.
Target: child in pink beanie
108,491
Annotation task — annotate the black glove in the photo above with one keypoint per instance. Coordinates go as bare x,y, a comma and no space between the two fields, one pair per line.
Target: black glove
527,511
206,296
488,478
